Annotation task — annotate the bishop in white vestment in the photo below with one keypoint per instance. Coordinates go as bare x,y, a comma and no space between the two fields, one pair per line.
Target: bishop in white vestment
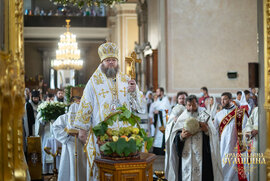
67,162
106,90
193,153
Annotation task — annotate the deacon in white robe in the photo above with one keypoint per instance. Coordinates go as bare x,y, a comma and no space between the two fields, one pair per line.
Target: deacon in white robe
67,162
251,133
228,137
106,90
159,108
194,156
175,113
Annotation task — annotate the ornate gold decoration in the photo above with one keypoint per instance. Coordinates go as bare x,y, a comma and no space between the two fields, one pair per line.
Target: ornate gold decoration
123,77
13,166
130,68
106,109
98,79
267,77
124,91
103,93
83,114
108,50
68,55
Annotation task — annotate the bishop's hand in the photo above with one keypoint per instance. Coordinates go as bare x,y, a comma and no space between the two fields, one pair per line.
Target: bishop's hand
82,136
131,85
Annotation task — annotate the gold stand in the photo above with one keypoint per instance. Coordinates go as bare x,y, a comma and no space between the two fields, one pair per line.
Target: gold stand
160,175
55,171
74,132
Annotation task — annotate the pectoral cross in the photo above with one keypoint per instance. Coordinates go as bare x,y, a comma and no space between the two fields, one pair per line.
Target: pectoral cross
124,91
103,93
130,68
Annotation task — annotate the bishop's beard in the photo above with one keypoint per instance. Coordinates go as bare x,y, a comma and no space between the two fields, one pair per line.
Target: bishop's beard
109,72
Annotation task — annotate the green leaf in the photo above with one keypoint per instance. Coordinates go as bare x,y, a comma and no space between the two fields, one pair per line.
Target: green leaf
106,148
138,143
142,133
100,129
113,146
112,119
130,147
120,146
126,113
149,141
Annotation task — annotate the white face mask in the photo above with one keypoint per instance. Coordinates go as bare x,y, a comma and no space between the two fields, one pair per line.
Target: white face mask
201,94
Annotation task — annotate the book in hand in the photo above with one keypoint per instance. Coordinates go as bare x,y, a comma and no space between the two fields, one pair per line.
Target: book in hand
203,116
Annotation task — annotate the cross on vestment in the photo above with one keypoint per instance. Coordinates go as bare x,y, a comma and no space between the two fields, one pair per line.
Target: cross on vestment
103,93
131,64
124,91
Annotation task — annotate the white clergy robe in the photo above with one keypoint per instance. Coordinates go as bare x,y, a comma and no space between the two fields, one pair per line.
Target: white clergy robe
253,124
191,164
151,116
175,113
160,105
228,142
67,162
44,130
96,103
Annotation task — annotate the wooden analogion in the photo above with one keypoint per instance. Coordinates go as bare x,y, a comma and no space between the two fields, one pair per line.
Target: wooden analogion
126,170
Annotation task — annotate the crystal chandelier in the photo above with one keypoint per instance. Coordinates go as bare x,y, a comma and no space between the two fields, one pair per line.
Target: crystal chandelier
68,54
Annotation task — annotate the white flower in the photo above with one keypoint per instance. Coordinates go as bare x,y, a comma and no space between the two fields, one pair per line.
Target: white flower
192,125
42,106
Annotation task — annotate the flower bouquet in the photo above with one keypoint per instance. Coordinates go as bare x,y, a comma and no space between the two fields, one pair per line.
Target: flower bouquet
124,142
51,110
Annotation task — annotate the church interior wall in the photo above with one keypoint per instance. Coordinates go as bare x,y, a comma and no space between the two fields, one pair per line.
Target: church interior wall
124,31
205,40
34,58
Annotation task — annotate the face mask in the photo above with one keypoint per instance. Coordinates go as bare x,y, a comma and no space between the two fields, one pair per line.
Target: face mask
201,94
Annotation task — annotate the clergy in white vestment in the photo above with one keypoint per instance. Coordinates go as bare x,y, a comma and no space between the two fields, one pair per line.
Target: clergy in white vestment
177,110
67,162
43,129
151,116
229,123
160,106
194,153
107,89
251,133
